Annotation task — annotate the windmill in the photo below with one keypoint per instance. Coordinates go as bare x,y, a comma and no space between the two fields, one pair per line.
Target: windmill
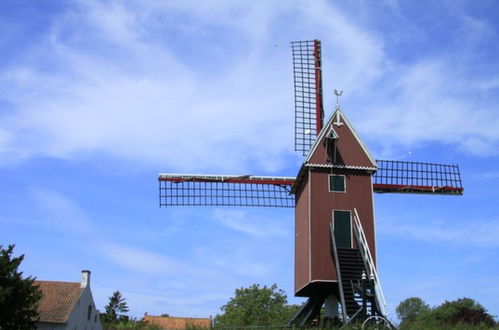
335,247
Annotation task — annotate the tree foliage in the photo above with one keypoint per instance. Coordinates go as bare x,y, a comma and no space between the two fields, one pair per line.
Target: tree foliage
256,306
464,310
409,309
462,313
116,309
19,296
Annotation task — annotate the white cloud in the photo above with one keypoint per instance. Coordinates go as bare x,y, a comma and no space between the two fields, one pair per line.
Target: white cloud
195,304
136,82
250,224
5,138
241,260
61,213
486,175
478,233
141,260
426,103
120,90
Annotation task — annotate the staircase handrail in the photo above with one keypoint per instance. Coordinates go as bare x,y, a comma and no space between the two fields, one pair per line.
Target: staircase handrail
369,262
338,274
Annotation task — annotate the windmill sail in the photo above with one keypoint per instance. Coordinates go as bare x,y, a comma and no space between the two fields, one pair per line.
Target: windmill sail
309,112
337,158
225,190
414,177
267,191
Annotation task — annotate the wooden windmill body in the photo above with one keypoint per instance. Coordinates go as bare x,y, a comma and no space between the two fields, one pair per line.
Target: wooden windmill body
334,180
335,241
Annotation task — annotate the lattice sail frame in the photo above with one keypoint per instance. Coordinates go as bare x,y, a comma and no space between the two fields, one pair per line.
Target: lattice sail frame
225,190
307,76
417,177
267,191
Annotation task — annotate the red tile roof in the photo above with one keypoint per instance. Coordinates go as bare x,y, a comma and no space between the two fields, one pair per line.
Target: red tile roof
177,322
58,300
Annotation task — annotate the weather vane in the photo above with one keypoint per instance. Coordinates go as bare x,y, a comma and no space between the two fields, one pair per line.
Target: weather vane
338,94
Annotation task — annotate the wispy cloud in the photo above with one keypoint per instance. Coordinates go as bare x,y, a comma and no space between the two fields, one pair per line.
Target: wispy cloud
65,216
427,106
134,99
478,233
196,304
486,175
250,224
141,260
138,86
244,260
62,213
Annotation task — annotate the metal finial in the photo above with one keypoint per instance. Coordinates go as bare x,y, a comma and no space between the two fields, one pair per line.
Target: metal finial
338,94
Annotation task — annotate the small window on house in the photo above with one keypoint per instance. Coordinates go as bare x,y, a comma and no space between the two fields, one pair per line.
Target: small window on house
337,183
89,313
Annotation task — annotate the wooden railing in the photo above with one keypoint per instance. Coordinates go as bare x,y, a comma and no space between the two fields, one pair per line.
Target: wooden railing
369,262
338,273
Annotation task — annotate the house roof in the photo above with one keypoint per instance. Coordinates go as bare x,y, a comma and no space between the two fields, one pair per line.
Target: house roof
58,300
338,119
328,129
177,322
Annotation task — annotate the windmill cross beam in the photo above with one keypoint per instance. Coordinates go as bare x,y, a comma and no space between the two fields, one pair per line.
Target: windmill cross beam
332,194
275,191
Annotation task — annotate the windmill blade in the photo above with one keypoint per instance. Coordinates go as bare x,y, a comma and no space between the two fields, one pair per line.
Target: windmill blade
307,74
413,177
225,190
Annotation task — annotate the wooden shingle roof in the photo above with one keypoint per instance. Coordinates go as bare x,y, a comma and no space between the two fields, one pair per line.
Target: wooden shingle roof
58,300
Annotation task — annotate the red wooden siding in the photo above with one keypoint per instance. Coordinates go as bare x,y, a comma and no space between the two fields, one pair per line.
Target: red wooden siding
358,195
349,149
302,236
315,204
313,239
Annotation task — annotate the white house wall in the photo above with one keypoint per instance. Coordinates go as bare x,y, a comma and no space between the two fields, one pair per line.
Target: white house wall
78,319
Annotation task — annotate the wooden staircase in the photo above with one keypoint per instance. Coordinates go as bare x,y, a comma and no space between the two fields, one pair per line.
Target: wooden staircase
352,270
359,288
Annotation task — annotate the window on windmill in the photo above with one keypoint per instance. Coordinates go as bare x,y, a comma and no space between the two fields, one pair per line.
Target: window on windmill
337,183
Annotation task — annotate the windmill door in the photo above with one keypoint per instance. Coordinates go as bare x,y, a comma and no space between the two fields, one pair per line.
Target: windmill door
342,224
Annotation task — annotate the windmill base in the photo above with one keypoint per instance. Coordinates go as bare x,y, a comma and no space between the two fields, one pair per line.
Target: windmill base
309,313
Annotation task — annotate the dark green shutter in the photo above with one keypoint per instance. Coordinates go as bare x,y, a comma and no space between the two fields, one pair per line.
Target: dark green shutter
337,183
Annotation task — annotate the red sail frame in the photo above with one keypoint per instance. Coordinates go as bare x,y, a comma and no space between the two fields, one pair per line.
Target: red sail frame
307,74
267,191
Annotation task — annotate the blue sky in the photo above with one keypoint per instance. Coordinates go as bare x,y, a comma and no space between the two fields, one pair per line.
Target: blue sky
98,97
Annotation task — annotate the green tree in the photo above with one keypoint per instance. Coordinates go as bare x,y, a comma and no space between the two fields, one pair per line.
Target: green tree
257,306
464,312
116,309
19,296
409,309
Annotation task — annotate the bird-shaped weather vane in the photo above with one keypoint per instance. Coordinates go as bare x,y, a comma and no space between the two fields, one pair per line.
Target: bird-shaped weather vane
338,94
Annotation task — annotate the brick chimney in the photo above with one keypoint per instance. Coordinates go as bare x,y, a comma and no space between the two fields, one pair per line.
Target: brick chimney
85,279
